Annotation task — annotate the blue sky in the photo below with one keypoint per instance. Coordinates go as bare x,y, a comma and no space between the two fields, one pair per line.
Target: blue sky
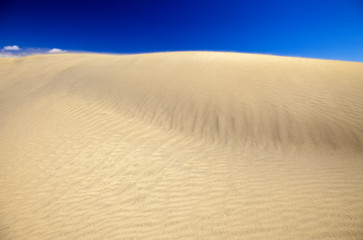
329,29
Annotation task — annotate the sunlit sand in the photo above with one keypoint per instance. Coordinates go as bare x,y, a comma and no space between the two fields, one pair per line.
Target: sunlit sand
181,145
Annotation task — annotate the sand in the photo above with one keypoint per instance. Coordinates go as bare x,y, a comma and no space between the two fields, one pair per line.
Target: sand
180,145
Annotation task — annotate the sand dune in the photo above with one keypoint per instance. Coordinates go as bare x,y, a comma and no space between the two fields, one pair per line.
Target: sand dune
183,145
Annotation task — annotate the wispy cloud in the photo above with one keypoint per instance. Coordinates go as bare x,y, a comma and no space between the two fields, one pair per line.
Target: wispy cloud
56,50
16,51
12,48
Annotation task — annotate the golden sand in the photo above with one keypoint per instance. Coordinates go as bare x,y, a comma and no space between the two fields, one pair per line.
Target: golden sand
182,145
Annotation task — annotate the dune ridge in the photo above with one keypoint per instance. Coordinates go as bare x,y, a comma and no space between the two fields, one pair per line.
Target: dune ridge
226,104
180,145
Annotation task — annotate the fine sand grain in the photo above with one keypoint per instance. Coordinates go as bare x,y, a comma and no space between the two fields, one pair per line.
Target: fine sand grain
182,145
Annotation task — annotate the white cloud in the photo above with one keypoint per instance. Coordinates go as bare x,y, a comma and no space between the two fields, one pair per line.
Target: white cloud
12,48
22,52
56,50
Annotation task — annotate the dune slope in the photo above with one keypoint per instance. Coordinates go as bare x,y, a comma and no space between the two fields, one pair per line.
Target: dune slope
182,145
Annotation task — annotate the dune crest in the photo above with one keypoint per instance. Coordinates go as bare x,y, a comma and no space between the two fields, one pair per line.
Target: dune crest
263,100
180,145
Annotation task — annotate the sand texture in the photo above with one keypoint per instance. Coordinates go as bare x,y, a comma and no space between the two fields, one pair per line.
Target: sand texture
181,145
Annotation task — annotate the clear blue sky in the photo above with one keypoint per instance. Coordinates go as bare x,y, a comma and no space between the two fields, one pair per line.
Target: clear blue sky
330,29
